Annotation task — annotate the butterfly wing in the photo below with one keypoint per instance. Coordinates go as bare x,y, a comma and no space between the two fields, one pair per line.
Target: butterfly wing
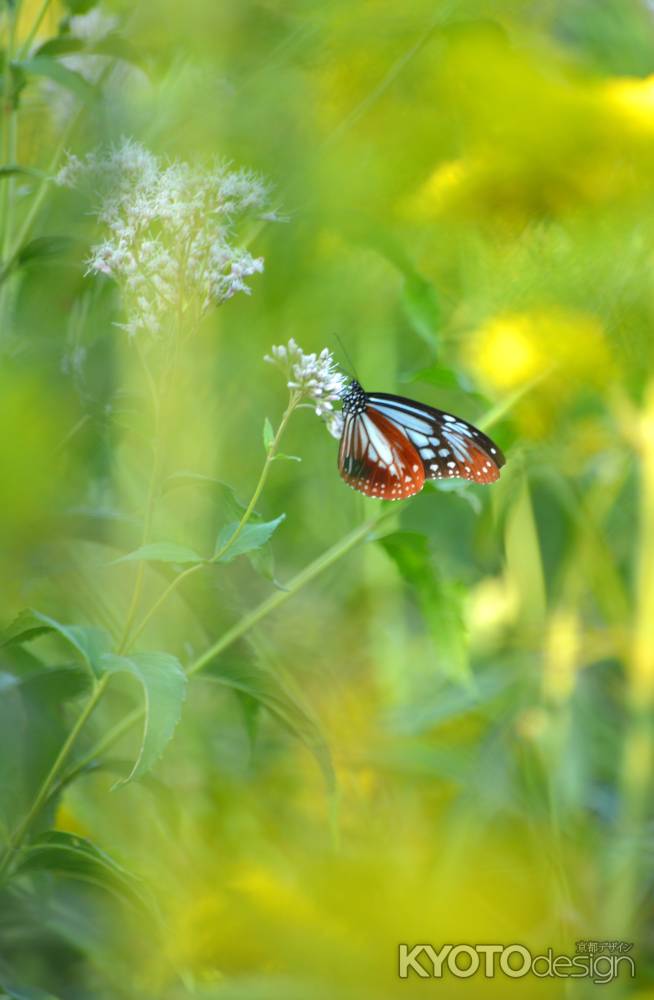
377,458
447,445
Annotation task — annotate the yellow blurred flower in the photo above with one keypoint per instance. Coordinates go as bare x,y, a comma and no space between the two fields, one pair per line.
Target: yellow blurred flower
559,351
632,100
491,608
509,350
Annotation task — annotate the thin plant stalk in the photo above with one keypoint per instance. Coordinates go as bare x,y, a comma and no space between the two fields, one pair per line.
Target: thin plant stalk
247,514
34,30
149,504
638,749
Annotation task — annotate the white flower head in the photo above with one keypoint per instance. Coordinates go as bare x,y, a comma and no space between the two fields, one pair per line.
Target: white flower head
169,231
315,377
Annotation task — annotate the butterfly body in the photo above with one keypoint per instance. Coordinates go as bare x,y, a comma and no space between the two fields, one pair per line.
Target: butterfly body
390,445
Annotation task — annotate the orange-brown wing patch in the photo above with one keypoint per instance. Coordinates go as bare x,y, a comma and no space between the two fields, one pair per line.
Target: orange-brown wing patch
377,459
478,466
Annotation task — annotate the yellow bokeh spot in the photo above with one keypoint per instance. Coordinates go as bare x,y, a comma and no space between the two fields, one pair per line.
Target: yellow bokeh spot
67,820
633,100
510,350
441,187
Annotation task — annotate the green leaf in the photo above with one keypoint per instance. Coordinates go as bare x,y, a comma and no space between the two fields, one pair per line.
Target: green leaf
27,625
163,684
268,434
166,552
421,307
440,600
54,70
88,642
67,855
32,731
288,458
278,694
253,536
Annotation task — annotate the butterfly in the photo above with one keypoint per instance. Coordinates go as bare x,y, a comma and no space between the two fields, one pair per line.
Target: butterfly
390,445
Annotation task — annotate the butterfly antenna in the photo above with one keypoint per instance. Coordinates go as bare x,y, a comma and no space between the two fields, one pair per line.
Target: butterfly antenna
353,374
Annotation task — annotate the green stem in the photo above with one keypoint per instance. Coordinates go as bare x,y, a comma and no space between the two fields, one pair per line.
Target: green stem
23,828
270,457
149,510
105,743
304,577
27,44
280,597
37,200
247,514
8,129
48,174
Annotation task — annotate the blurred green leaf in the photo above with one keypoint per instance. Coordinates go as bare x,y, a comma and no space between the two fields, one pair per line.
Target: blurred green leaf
440,376
439,600
17,81
62,45
87,641
421,307
80,6
167,552
33,727
268,434
228,498
17,992
113,45
58,683
163,685
43,248
65,854
278,694
253,536
15,170
54,70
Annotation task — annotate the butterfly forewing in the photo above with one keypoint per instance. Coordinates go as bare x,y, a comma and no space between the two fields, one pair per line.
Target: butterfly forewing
377,458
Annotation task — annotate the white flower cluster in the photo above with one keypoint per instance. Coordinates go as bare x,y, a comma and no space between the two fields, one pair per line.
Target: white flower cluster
315,377
169,232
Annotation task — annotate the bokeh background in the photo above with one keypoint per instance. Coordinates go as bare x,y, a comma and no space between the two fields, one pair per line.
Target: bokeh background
447,737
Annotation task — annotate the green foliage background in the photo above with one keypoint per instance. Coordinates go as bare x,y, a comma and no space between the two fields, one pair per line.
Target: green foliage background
442,731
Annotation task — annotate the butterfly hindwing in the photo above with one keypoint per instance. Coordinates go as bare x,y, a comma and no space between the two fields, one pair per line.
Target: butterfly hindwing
448,446
377,458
